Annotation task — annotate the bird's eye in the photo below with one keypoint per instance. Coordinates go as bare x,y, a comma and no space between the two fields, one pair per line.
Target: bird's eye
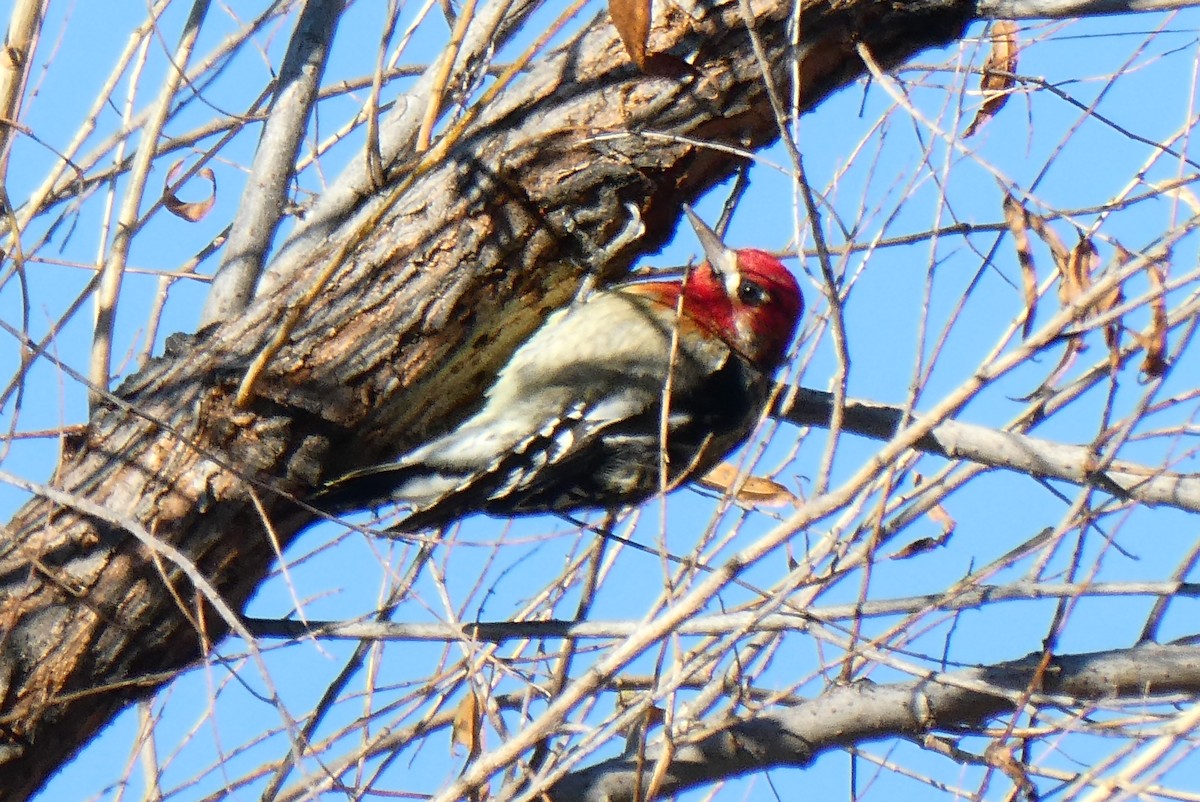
752,294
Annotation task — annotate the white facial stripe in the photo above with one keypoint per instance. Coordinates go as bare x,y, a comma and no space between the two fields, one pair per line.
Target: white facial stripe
732,279
730,258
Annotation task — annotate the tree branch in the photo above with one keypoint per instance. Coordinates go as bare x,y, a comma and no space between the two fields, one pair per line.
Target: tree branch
262,203
1064,9
1000,449
708,625
847,716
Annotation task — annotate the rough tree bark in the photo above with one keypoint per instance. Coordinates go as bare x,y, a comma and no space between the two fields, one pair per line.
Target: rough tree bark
434,285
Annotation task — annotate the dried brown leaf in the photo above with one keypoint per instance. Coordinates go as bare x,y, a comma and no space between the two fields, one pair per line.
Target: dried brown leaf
997,81
1113,298
1120,255
632,20
938,514
1112,332
194,210
918,546
1155,339
1016,217
467,723
754,490
942,518
1058,250
1076,268
1084,259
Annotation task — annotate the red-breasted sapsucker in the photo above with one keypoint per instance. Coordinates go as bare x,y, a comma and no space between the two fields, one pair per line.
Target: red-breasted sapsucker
576,418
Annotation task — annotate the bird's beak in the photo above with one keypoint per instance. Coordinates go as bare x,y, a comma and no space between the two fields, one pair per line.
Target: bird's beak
722,258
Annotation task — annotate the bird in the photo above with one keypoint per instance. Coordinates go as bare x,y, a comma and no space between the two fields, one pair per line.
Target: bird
576,419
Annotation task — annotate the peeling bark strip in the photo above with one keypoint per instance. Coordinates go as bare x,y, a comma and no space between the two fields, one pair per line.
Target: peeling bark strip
462,266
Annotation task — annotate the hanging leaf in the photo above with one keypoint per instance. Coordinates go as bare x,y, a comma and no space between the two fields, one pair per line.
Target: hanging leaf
997,81
465,729
191,211
1155,338
1075,267
1112,332
1017,218
1058,250
1077,276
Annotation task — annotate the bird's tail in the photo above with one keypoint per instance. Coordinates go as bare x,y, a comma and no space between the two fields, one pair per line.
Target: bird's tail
415,484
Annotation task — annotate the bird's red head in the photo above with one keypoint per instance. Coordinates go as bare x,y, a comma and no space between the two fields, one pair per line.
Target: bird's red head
746,297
